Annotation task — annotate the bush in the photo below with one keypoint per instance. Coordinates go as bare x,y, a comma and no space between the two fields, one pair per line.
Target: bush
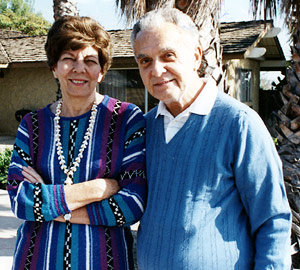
4,164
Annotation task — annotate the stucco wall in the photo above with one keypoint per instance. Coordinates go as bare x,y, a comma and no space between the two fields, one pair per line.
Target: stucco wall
34,87
233,84
28,88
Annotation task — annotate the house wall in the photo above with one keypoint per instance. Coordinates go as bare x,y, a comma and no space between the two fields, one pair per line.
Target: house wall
24,88
34,87
233,84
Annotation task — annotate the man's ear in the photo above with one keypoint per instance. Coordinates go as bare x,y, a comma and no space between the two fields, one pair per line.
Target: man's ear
198,57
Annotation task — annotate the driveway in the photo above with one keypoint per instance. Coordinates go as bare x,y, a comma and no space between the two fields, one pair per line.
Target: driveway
8,230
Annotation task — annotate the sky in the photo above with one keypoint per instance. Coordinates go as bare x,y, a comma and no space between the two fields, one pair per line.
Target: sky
105,12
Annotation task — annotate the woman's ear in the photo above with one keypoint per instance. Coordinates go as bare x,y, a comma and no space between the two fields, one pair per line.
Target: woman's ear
100,77
54,72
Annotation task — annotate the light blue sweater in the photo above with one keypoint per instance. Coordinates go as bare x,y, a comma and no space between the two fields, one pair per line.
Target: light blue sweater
216,198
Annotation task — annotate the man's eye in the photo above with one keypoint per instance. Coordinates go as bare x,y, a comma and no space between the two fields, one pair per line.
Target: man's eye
144,61
169,55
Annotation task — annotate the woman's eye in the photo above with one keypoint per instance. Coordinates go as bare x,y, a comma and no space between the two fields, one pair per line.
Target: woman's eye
68,58
91,61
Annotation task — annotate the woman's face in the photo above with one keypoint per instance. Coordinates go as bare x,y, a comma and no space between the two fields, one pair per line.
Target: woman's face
78,72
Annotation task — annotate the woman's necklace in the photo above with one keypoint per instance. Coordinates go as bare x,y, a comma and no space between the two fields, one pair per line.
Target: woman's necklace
69,172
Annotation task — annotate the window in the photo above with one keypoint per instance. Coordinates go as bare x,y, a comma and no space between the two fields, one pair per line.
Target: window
244,85
126,85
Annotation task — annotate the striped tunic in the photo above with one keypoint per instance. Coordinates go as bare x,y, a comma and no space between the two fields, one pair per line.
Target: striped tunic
115,150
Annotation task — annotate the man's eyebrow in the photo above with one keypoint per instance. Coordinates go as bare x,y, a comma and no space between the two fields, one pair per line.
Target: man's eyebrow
141,55
164,50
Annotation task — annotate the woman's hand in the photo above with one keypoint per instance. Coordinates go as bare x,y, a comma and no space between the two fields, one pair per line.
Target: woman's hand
79,216
81,194
108,187
31,176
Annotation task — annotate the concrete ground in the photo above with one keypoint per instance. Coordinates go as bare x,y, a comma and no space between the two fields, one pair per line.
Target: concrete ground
8,222
6,142
8,230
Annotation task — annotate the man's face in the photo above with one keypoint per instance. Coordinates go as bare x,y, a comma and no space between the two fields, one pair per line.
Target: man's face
168,61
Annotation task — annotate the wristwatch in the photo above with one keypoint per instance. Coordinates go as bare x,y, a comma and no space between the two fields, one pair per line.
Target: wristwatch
67,217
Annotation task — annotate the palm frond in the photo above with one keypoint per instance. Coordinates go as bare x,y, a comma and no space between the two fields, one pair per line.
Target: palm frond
198,10
291,9
269,8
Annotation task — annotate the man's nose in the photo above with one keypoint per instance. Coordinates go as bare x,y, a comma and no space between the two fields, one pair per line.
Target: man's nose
158,68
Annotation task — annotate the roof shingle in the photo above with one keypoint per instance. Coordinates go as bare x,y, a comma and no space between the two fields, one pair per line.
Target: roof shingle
236,37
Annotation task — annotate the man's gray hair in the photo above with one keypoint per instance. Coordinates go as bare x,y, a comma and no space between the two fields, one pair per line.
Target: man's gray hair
157,17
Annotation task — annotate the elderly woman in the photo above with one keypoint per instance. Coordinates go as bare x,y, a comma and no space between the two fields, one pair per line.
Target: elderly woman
77,171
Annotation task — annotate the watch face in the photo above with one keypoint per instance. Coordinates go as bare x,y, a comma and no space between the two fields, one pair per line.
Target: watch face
67,216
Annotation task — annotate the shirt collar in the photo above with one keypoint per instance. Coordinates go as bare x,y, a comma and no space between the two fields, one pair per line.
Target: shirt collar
202,104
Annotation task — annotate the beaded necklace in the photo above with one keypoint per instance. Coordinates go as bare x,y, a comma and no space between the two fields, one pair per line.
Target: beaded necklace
70,172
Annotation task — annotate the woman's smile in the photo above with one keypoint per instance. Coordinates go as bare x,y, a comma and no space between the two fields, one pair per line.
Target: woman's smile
78,72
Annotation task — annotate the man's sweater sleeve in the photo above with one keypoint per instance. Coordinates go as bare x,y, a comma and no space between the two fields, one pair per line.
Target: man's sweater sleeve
259,179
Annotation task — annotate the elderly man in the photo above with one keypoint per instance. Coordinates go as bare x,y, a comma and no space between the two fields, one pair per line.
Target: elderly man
216,195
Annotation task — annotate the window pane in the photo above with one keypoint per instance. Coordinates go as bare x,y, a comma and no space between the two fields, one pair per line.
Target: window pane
126,85
245,85
114,84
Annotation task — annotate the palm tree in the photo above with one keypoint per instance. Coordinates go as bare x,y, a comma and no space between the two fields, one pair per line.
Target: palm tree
64,7
287,126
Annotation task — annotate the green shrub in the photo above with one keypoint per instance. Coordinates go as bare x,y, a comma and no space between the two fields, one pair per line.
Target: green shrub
275,141
4,163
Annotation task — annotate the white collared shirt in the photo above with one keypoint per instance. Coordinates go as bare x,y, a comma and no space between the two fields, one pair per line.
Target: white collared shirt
202,106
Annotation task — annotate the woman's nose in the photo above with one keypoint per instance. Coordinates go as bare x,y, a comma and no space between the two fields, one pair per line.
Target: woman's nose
79,66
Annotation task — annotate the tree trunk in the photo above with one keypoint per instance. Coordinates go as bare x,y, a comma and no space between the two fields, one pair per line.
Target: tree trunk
206,15
64,7
287,132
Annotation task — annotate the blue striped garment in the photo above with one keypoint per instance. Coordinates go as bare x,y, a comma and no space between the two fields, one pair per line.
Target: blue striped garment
116,150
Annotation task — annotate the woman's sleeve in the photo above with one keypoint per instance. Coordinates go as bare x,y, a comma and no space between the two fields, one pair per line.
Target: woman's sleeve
34,202
127,206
